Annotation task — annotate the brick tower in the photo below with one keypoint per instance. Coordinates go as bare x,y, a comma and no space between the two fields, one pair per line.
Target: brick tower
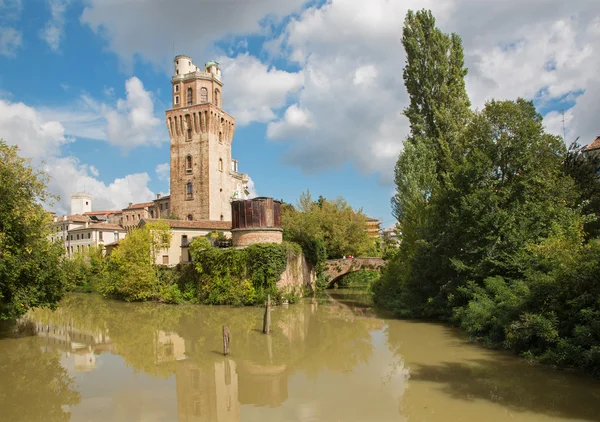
204,177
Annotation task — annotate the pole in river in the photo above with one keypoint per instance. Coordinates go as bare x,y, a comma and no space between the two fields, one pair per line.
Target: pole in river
267,318
225,340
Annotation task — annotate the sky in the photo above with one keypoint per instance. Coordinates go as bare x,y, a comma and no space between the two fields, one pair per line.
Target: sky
315,86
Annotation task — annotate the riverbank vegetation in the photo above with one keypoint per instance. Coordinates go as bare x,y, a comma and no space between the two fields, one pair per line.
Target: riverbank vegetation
496,228
217,276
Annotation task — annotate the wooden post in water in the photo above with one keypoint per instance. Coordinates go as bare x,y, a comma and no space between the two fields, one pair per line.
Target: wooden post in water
225,340
267,318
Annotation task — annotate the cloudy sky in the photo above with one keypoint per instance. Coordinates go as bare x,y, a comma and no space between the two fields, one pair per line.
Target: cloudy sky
316,87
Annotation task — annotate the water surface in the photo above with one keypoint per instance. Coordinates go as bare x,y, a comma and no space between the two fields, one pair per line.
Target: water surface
329,359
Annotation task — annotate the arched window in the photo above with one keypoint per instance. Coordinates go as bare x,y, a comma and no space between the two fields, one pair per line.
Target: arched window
220,164
203,95
221,217
189,191
190,94
221,137
216,101
190,217
188,164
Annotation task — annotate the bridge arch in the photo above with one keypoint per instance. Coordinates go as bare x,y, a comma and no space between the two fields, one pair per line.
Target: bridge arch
337,268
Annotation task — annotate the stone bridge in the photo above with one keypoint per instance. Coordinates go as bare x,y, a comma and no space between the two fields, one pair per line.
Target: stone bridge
337,268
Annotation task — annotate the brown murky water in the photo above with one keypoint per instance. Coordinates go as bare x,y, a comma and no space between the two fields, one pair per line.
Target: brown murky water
326,360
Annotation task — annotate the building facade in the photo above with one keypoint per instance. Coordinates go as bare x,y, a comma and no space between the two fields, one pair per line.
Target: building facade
204,177
183,232
372,227
83,239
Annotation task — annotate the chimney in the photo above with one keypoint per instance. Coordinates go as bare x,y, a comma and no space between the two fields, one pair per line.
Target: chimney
158,196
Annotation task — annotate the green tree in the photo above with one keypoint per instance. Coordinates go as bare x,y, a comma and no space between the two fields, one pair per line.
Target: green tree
438,113
131,270
583,167
335,223
29,263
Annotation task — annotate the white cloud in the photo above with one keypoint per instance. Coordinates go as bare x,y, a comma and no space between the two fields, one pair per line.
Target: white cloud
129,123
10,41
148,28
69,175
53,32
255,90
349,108
163,171
132,123
22,125
41,139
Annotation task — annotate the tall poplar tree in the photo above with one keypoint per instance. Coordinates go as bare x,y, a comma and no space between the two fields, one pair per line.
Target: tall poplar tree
438,113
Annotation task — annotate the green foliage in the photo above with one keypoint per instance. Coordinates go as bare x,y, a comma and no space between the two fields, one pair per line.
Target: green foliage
130,268
29,263
170,293
584,168
360,278
333,225
130,272
239,276
490,221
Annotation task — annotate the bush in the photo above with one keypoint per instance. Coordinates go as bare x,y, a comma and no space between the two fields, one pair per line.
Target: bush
170,293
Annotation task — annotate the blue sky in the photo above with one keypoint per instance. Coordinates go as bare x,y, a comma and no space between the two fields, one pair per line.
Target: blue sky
315,87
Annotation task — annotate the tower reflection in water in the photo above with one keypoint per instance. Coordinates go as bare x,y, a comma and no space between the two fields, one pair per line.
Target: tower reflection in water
161,342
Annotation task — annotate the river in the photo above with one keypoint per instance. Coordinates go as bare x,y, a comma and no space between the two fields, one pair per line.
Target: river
327,359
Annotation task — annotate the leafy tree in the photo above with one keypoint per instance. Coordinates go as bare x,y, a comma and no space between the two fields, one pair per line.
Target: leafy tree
491,228
438,113
29,272
132,273
584,168
335,223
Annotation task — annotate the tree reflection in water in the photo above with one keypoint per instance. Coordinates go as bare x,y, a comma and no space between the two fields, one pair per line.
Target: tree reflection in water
34,386
445,367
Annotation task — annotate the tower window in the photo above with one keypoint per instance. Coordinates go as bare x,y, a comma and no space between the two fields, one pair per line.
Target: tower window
188,164
221,217
220,164
203,95
221,137
188,125
190,94
177,71
189,191
177,88
216,101
177,99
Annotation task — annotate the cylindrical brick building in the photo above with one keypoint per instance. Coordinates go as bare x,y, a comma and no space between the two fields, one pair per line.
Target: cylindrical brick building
256,220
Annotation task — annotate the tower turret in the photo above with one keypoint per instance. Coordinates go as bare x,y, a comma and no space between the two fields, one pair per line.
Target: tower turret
202,179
